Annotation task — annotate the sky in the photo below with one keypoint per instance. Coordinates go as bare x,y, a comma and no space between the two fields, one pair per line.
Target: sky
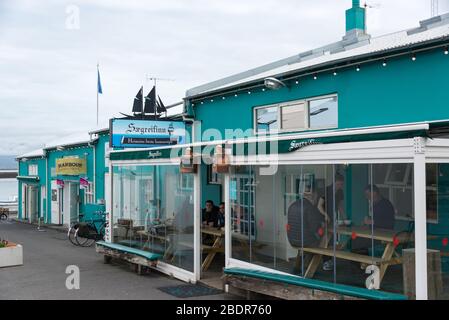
49,50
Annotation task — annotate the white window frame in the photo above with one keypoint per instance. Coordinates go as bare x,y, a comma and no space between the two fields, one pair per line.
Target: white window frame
33,169
279,106
89,193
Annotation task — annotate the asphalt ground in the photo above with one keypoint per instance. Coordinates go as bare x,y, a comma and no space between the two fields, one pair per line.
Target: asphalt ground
43,274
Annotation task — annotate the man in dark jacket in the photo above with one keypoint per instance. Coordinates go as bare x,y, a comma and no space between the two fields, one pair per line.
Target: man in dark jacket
209,213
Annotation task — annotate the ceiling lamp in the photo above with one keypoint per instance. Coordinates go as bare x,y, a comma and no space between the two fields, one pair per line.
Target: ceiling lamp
273,83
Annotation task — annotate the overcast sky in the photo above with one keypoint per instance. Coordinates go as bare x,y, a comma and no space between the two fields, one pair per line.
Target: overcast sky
49,50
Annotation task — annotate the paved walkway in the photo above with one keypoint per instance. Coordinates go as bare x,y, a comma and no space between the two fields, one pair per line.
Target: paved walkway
46,256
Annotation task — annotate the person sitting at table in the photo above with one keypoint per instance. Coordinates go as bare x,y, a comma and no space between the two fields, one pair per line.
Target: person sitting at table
220,218
383,210
304,222
382,218
209,214
332,196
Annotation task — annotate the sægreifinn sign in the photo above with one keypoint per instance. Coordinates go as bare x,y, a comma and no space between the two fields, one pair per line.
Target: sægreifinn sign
70,166
126,133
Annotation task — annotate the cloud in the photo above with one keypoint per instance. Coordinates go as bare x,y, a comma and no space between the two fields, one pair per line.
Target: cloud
48,72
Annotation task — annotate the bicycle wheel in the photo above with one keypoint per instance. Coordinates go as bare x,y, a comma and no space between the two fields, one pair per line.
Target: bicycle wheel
71,235
83,241
3,216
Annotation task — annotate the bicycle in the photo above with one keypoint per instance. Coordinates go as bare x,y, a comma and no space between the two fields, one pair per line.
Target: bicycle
85,234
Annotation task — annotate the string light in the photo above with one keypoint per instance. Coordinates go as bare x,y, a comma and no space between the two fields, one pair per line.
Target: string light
446,51
263,89
224,98
202,102
249,92
384,63
315,77
211,100
358,68
335,72
297,81
236,95
414,57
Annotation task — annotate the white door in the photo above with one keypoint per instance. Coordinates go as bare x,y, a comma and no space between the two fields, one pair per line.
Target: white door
43,200
70,203
32,203
74,205
56,212
24,202
107,192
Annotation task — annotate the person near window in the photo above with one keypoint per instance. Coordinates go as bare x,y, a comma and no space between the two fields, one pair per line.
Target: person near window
220,220
332,196
209,214
382,218
383,210
326,201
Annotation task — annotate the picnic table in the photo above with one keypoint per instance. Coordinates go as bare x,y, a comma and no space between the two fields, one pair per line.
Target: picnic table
217,246
389,238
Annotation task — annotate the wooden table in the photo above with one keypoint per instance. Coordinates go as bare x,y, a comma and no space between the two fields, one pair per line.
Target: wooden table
388,237
217,246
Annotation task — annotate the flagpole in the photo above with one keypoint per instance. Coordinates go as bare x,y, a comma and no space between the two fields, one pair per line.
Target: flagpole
155,95
98,65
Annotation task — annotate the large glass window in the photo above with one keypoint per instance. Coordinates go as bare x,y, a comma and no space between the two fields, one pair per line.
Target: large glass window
333,223
32,170
316,113
267,119
294,116
437,200
323,113
153,211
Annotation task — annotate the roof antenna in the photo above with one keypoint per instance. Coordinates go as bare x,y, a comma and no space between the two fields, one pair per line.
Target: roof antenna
433,8
369,6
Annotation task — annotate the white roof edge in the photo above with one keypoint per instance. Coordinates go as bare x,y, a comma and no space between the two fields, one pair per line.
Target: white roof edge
350,44
32,154
308,135
98,130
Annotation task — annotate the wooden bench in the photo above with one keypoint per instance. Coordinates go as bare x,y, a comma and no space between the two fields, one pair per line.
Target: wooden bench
139,258
293,287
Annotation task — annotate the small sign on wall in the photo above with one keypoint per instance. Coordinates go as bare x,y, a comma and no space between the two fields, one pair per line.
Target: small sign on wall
127,133
70,166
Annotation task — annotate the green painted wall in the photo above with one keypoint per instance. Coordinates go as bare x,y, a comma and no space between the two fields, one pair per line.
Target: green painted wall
81,152
101,168
23,171
355,17
404,91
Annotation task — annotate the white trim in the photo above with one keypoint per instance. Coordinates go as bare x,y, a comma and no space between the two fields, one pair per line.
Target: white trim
228,221
306,135
234,263
383,151
420,220
109,216
144,162
280,105
175,272
197,225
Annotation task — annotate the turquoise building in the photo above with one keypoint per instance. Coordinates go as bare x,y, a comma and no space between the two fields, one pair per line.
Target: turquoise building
333,166
55,195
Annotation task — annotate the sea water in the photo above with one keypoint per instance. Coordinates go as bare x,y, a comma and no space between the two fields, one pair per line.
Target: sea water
8,188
